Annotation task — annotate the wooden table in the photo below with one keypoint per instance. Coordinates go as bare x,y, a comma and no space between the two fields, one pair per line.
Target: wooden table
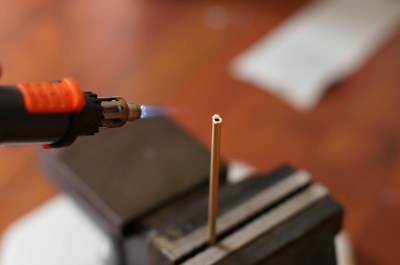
177,54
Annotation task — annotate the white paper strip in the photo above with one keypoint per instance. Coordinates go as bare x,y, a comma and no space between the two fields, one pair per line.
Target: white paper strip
322,44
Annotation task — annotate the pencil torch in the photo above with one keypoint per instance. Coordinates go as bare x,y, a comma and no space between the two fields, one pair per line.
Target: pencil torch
55,113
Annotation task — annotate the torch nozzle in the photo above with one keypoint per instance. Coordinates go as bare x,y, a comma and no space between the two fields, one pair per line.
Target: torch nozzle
117,112
135,112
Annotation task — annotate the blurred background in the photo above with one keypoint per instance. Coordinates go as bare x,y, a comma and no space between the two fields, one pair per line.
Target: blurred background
179,54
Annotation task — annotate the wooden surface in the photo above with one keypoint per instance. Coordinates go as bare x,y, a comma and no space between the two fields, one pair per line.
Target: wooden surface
177,54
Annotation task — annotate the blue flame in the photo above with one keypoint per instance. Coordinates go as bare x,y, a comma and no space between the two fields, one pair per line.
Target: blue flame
151,111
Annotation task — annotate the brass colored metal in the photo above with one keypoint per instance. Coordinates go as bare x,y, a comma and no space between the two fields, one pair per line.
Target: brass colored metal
117,112
214,177
134,112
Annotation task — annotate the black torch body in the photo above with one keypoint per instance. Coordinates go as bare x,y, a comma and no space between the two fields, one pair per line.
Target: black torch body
54,114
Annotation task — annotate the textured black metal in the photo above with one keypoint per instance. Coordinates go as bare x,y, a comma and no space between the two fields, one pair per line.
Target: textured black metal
308,238
124,173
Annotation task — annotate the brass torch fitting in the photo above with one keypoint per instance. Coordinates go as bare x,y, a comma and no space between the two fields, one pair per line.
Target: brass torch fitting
117,112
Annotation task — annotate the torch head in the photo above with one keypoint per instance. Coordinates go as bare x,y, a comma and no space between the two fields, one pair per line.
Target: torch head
117,112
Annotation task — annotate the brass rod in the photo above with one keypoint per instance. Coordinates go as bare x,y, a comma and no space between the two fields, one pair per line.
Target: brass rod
214,177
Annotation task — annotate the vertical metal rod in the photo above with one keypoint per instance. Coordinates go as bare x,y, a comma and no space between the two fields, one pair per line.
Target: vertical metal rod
214,177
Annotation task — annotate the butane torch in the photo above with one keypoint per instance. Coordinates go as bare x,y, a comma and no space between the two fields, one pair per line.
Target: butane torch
56,113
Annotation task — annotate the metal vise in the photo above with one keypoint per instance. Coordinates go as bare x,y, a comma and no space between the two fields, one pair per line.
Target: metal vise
152,202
